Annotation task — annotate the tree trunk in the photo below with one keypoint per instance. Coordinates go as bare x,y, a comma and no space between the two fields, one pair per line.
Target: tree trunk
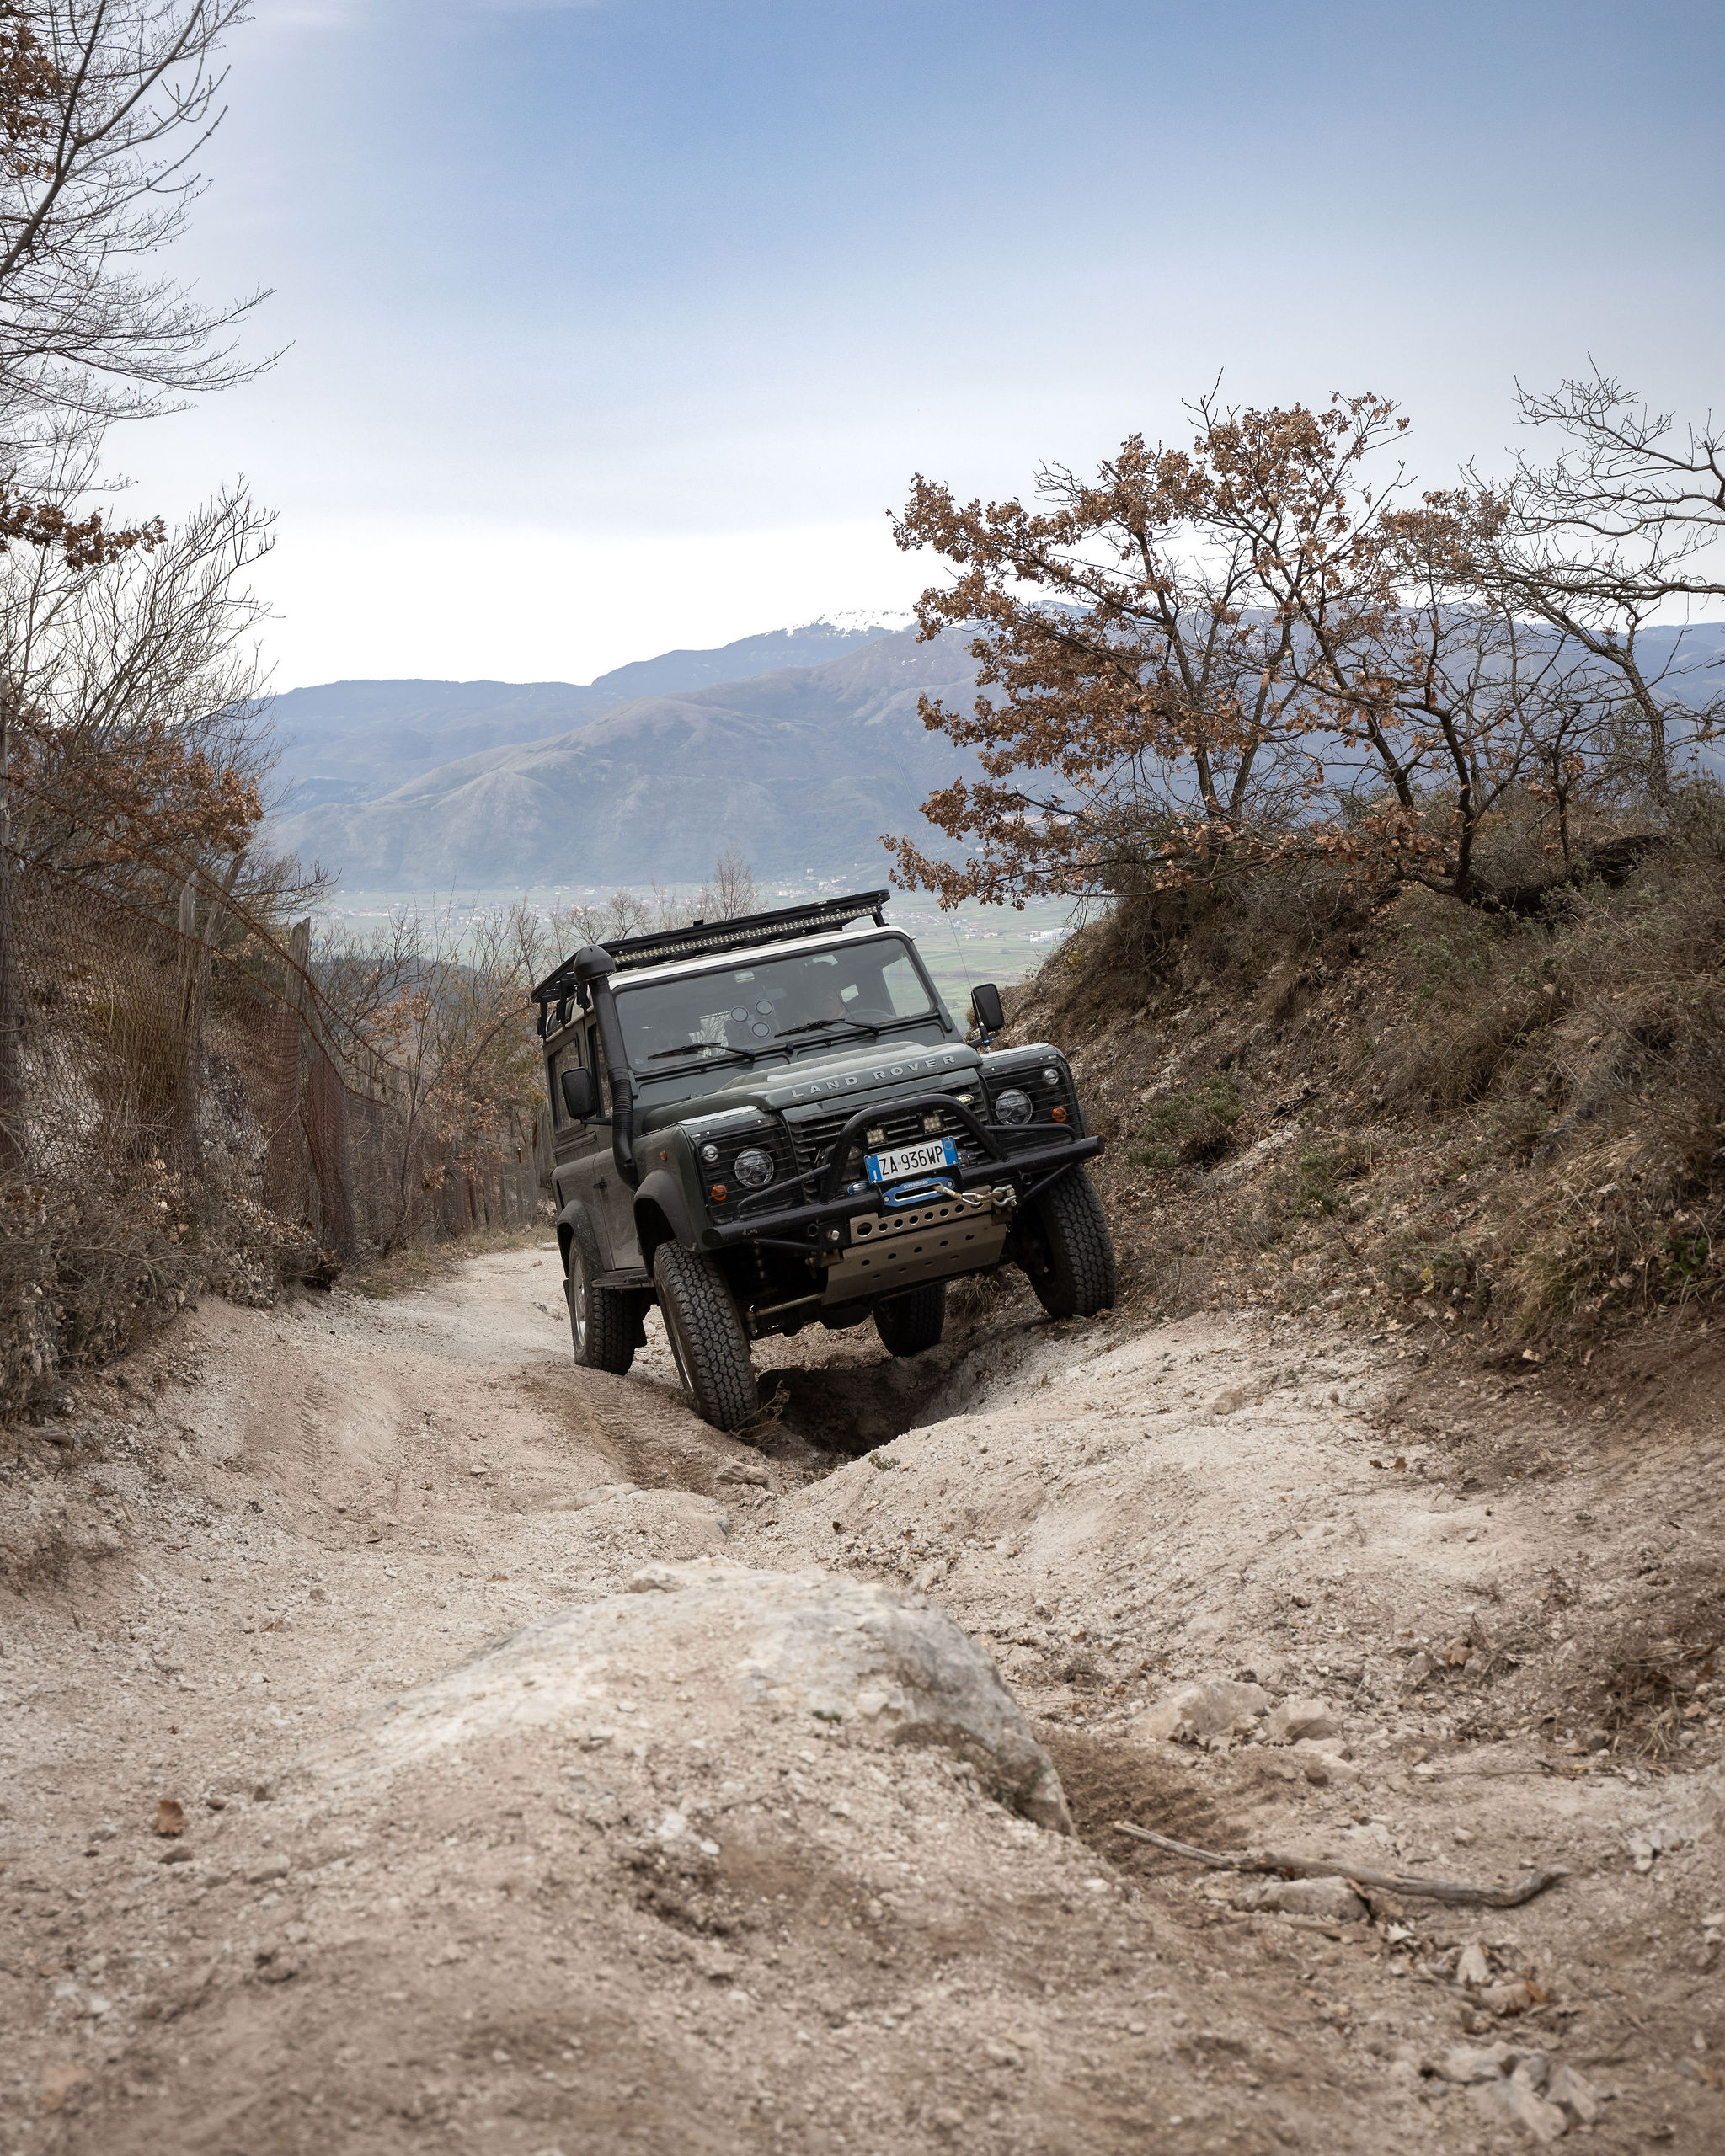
12,1102
11,1154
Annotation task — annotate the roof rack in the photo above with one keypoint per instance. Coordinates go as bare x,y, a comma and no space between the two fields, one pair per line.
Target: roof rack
704,939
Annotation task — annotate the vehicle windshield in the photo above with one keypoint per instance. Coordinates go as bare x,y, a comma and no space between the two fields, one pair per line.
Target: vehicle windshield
802,1002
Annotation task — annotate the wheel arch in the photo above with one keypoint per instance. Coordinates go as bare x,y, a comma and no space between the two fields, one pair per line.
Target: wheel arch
574,1211
662,1215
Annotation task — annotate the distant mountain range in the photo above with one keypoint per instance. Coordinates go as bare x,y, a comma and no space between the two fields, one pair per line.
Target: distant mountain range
357,740
800,747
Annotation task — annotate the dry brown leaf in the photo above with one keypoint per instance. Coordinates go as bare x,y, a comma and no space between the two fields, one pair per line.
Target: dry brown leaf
170,1817
59,2082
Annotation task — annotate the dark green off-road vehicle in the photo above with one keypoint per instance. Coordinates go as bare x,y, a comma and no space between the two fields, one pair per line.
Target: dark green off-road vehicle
765,1123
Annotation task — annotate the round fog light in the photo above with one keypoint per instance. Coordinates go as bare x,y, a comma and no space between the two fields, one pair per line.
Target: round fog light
754,1168
1013,1106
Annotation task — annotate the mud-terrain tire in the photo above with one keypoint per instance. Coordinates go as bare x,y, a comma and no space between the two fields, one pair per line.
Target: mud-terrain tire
1065,1249
910,1324
605,1323
707,1337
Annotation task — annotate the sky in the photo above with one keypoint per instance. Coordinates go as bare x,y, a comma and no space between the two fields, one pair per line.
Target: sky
609,327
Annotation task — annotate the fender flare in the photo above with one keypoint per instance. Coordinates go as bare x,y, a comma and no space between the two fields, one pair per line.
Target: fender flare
576,1209
662,1192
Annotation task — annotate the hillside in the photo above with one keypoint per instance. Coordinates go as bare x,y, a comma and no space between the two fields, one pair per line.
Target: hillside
803,768
356,740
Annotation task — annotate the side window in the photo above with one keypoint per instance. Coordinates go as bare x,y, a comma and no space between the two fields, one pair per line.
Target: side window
578,1047
556,1064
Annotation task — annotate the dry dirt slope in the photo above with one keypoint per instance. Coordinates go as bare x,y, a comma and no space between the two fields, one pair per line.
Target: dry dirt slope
726,1926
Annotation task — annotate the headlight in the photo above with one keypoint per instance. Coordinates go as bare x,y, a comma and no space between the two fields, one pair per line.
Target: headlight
1012,1107
754,1168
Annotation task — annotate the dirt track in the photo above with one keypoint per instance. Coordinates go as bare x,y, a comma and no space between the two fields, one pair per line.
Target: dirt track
277,1522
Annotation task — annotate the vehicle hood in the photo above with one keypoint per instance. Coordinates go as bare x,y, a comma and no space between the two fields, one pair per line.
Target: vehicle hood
850,1073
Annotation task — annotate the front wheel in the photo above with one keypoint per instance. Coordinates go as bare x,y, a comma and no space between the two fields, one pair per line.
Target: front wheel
707,1337
605,1323
910,1324
1065,1249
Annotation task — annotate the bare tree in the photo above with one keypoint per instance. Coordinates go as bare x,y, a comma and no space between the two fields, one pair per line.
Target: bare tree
1601,542
104,107
140,743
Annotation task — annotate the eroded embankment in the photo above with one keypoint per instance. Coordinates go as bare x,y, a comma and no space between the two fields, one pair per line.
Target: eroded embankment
665,1916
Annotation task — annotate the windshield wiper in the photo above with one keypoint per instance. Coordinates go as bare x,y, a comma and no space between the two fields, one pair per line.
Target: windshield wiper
818,1025
714,1049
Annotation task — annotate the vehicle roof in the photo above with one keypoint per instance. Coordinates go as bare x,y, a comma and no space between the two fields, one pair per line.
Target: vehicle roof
751,954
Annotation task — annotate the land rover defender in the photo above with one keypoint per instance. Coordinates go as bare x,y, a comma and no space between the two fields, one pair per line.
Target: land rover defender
765,1123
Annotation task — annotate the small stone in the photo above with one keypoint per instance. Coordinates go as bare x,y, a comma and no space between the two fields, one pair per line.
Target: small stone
1508,1999
1490,2062
1295,1719
1472,1970
276,1867
947,2121
105,1831
1333,1900
1571,2093
655,1579
1323,1760
1198,1712
1517,2099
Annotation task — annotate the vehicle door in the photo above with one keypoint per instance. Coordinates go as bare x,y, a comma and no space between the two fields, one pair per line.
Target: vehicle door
585,1171
615,1208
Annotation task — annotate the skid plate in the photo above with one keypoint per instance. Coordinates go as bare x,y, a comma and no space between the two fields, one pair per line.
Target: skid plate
922,1242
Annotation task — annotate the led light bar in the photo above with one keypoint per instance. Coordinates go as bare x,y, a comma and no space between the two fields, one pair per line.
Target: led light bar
704,939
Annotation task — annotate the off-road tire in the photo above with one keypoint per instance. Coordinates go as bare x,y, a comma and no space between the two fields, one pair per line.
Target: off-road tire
707,1337
605,1323
1065,1249
910,1324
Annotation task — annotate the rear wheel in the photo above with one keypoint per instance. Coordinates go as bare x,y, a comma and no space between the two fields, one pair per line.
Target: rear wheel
1065,1249
707,1337
909,1324
605,1323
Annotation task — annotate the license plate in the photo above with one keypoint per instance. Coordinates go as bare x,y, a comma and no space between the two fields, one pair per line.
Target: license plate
911,1159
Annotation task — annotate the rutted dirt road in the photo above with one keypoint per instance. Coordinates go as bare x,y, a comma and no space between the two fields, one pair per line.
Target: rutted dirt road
675,1926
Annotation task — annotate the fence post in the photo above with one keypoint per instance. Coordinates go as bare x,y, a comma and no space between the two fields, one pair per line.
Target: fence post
12,1116
194,969
287,1143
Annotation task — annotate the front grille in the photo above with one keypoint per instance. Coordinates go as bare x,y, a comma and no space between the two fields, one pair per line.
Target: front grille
815,1139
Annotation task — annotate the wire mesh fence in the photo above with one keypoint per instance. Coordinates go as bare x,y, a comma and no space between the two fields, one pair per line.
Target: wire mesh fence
179,1107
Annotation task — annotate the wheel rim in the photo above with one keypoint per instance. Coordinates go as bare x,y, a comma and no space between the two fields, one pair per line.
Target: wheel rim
578,1299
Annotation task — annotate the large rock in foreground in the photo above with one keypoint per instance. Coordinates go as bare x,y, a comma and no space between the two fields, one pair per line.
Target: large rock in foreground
728,1645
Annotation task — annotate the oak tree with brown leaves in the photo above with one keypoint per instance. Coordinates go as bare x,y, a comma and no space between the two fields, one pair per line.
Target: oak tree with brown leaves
1260,646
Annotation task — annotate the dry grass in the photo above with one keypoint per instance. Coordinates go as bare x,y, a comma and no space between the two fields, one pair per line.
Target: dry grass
423,1265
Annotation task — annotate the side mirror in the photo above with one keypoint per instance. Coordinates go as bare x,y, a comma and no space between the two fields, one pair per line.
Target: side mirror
985,1008
580,1095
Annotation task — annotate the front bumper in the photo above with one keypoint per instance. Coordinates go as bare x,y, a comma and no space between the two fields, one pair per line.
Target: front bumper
824,1226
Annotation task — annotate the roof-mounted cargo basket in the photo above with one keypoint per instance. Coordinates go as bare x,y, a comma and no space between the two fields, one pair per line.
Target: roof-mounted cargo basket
710,939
